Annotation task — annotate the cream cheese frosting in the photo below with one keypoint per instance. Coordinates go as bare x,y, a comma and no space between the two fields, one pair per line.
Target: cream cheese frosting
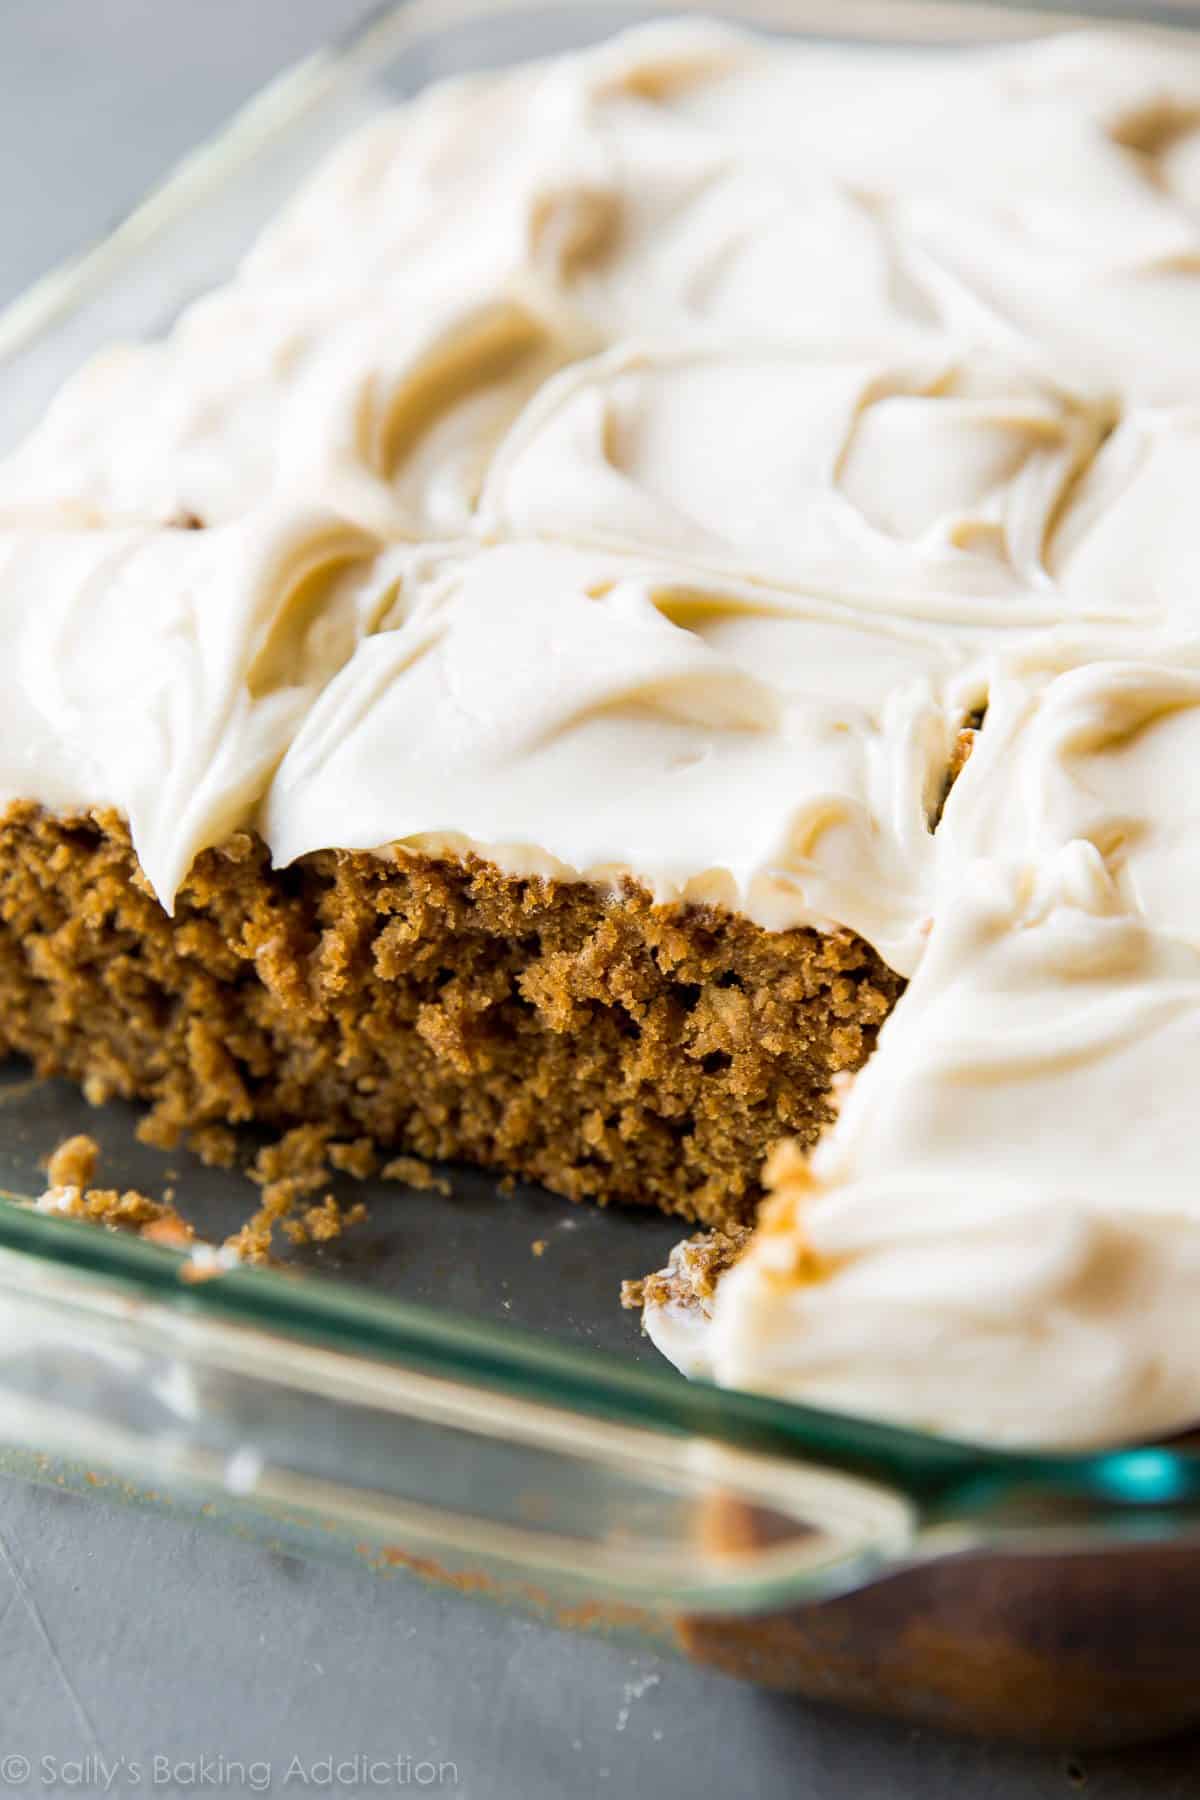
644,464
1000,1233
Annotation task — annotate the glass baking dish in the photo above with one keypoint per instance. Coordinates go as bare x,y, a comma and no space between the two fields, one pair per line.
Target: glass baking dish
455,1392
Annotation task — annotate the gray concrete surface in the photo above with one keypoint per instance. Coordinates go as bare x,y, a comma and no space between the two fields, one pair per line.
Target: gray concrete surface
126,1637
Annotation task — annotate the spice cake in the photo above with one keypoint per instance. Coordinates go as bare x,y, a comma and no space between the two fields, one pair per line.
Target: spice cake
650,554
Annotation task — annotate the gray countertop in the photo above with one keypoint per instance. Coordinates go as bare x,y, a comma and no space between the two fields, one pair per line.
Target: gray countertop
129,1635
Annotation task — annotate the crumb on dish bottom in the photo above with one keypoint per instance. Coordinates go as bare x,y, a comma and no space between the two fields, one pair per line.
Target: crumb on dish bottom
608,1048
691,1277
287,1172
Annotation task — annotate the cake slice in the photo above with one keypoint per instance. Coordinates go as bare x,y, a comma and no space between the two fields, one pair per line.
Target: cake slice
603,1045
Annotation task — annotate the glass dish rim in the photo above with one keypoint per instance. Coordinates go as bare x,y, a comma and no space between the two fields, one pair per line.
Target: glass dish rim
937,1474
933,1471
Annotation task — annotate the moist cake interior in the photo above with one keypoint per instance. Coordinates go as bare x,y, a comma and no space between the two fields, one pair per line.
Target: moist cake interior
612,1050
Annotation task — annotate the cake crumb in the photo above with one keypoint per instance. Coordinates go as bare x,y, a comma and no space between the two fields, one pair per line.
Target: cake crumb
72,1166
97,1089
215,1145
324,1222
357,1158
252,1241
964,743
288,1171
415,1173
156,1129
299,1155
693,1270
74,1162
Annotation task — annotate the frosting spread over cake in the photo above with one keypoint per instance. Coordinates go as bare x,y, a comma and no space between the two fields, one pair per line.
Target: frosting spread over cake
647,464
999,1235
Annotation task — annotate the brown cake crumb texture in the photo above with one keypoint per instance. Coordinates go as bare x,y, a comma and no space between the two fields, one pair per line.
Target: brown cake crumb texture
697,1265
610,1049
70,1171
692,1275
287,1172
960,756
73,1164
416,1174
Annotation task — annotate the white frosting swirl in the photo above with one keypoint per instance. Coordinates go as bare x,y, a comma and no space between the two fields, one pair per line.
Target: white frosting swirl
1001,1235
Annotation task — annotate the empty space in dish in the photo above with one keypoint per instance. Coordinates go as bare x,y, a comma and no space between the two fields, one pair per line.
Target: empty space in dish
469,1251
